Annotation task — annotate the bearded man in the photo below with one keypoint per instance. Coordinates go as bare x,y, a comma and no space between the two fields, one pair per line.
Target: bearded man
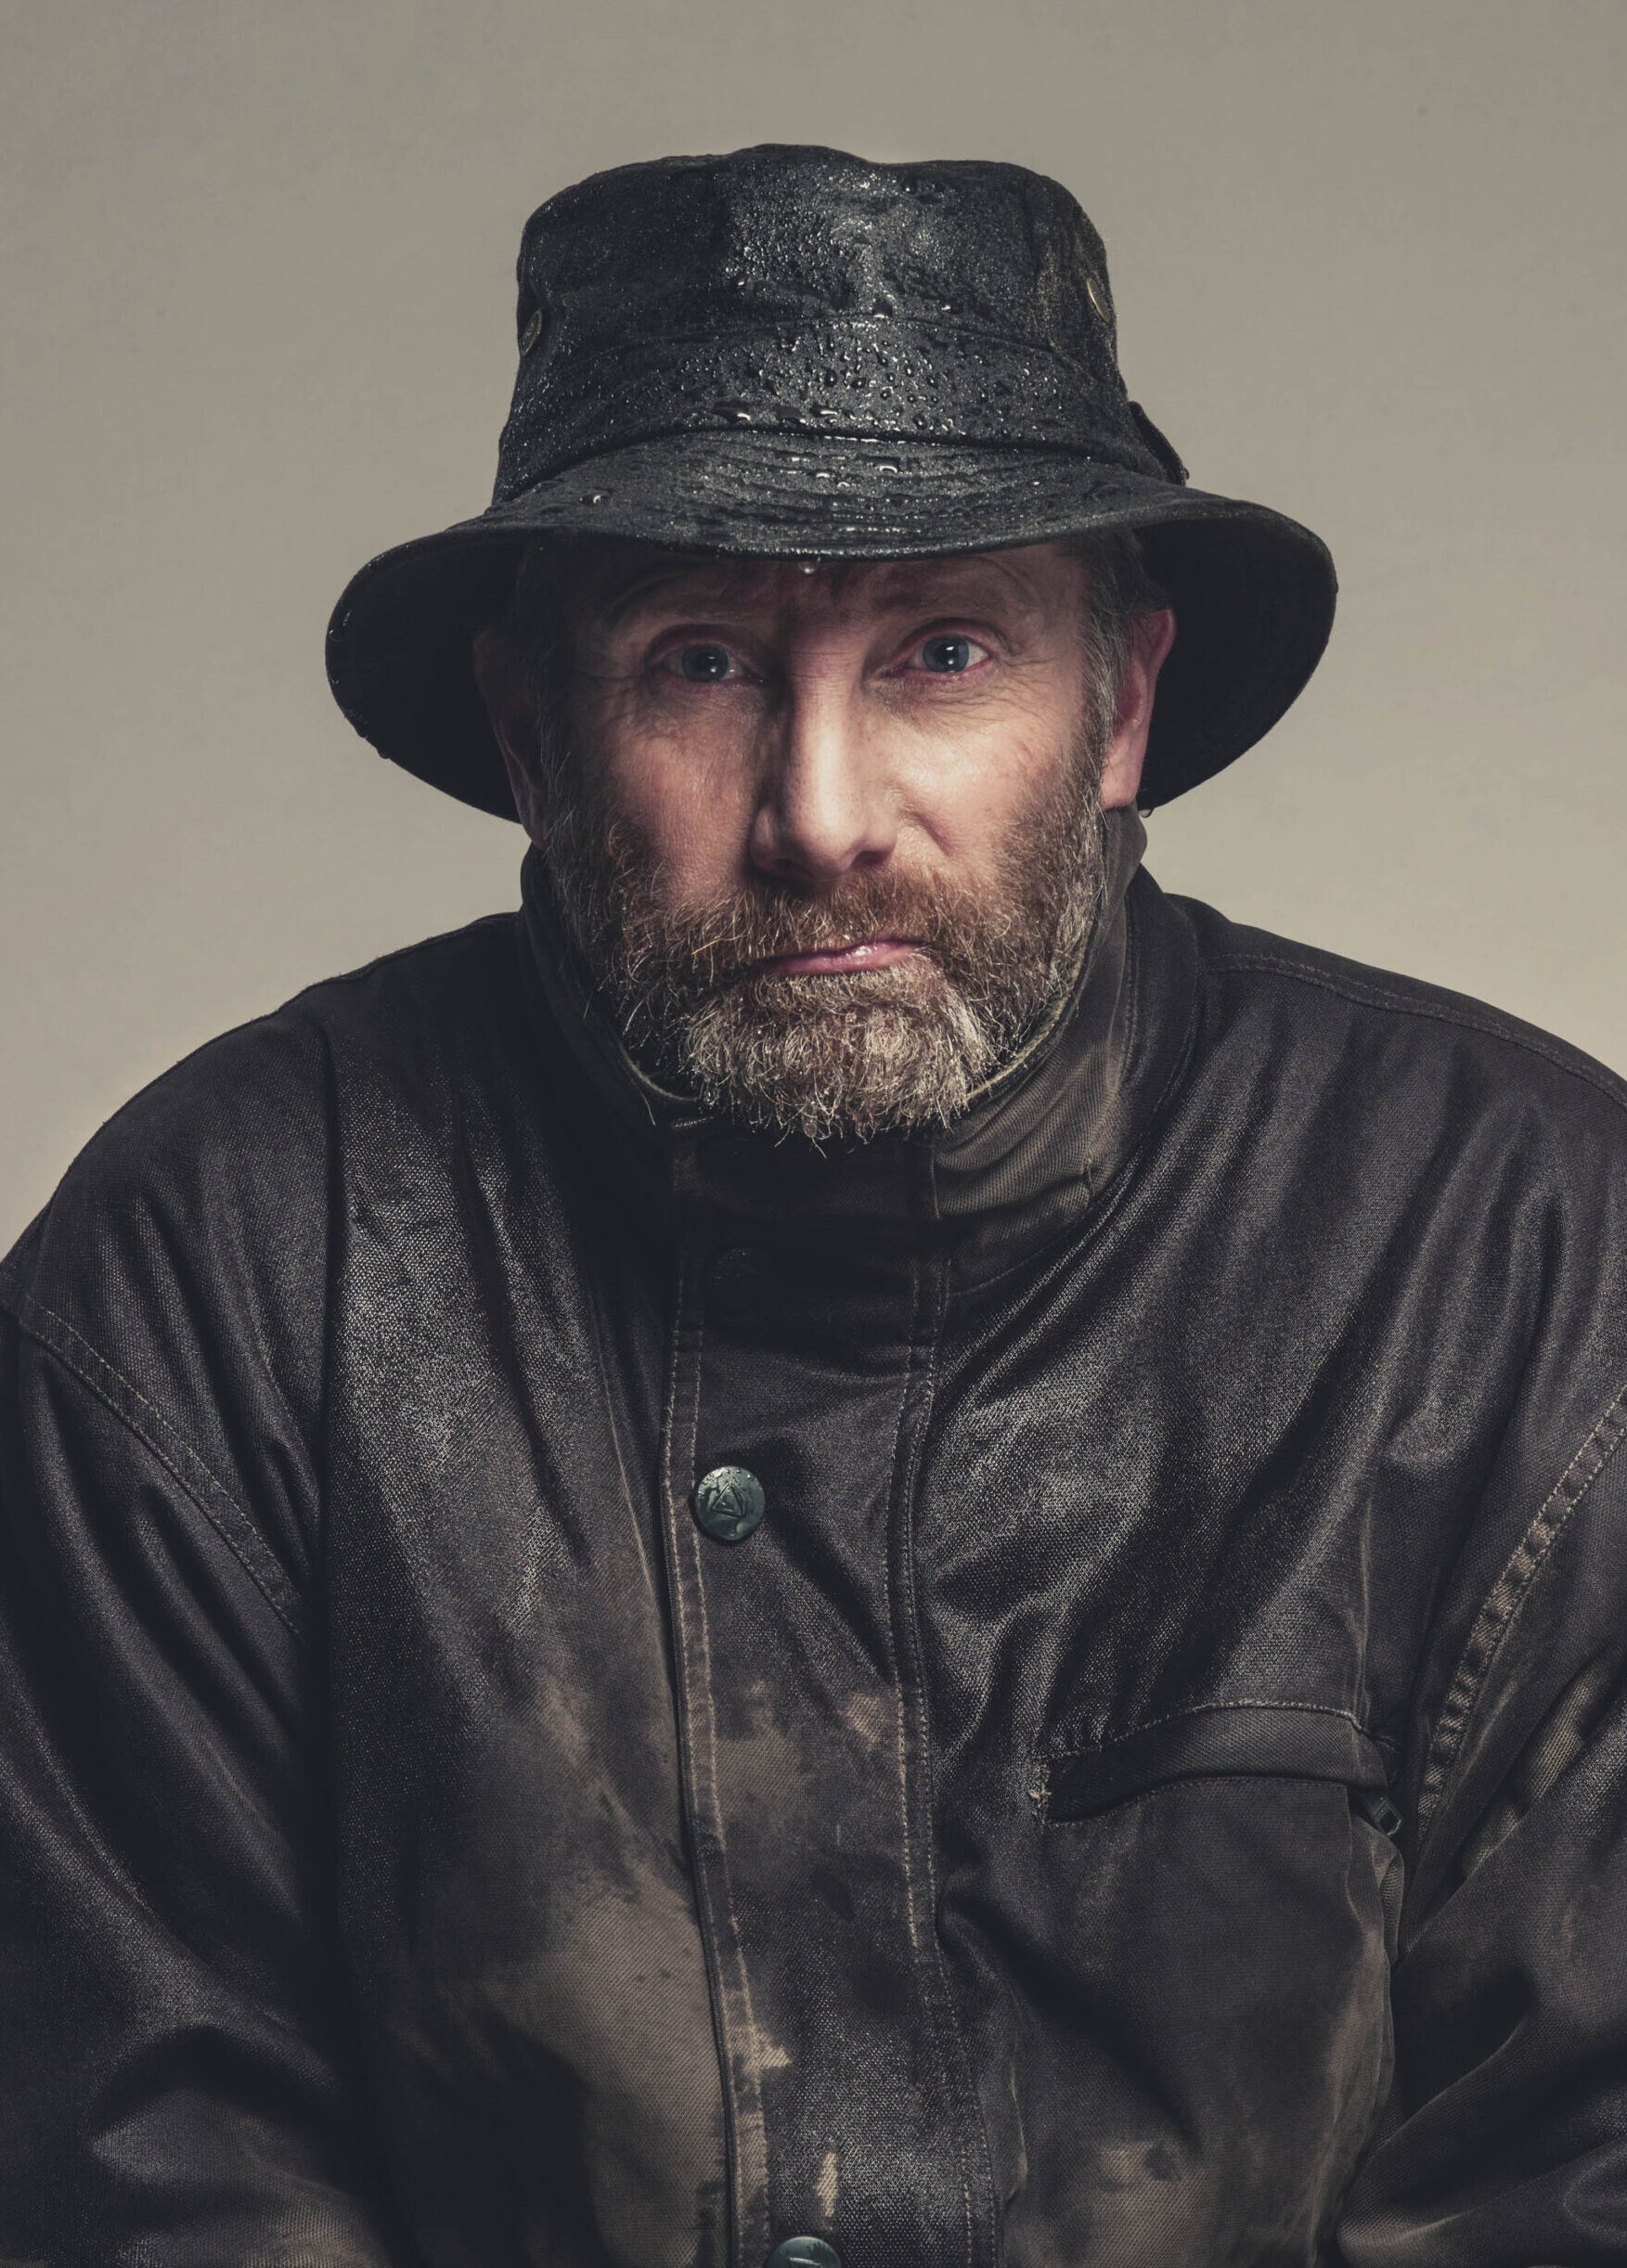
862,1548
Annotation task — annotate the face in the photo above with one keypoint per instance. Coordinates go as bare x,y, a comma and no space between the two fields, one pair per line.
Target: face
831,836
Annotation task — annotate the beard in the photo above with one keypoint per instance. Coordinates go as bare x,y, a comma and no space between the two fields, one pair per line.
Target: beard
844,1057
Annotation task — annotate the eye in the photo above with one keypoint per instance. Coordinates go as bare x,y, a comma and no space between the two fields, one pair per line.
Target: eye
701,664
948,653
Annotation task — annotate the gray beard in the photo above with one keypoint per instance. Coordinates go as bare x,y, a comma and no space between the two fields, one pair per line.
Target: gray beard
900,1050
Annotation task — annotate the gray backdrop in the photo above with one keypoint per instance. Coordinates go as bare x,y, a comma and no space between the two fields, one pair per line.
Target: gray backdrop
258,325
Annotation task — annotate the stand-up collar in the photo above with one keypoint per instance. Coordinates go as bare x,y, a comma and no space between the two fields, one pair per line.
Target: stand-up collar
1036,1144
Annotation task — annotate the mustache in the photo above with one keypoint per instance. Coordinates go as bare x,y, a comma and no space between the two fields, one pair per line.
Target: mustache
728,936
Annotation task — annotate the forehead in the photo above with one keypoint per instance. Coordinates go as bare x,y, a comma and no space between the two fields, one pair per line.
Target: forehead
628,586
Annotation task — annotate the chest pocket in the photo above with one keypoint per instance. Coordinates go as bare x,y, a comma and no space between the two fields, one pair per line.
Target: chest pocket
1262,1739
1218,1894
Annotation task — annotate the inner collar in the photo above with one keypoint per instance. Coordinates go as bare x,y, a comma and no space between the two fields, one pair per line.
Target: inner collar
1035,1146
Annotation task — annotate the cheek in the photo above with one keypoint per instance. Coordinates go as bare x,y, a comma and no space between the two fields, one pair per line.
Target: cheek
975,791
690,797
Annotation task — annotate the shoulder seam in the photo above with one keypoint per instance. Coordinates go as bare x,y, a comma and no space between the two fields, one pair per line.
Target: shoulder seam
1507,1598
165,1441
468,931
1378,996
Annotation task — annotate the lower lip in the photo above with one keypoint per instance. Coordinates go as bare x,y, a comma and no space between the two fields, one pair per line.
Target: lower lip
879,953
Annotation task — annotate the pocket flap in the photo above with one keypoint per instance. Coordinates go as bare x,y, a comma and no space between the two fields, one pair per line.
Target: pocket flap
1276,1740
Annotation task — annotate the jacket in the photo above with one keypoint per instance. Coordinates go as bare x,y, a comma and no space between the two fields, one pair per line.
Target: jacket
1150,1788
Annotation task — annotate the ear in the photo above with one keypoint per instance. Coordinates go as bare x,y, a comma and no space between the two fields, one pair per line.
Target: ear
1152,634
499,671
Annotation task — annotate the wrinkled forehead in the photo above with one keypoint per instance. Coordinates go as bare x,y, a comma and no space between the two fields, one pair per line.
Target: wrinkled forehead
635,579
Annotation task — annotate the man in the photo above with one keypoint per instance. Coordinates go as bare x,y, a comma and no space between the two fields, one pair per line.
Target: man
863,1548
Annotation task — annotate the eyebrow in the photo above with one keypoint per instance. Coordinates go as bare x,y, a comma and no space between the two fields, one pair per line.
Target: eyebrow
903,581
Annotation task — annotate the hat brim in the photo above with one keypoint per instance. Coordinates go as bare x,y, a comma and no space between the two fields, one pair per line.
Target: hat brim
1253,592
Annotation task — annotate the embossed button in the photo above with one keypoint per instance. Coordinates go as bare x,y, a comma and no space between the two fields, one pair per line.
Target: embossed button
805,2252
728,1502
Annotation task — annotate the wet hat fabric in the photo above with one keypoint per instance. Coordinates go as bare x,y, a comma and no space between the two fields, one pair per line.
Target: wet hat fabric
791,353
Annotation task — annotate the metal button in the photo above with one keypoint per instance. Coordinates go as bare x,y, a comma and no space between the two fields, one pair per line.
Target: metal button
728,1502
805,2252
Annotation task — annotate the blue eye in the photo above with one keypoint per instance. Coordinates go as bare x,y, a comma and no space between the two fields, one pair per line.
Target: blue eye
703,664
948,654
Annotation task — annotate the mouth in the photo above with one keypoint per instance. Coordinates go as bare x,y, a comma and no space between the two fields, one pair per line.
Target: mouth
840,960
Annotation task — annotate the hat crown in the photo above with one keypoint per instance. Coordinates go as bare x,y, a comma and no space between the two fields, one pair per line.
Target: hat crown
804,288
784,233
790,352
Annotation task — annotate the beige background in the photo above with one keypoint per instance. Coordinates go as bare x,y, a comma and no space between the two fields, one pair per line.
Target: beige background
256,268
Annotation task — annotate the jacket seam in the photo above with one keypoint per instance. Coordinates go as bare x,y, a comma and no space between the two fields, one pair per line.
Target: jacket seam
1209,1709
1107,1201
163,1441
745,2123
1155,1790
950,2044
300,1003
1505,1601
747,2006
1379,995
902,1747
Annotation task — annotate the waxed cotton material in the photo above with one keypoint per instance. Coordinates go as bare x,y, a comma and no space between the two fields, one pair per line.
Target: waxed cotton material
1148,1790
792,353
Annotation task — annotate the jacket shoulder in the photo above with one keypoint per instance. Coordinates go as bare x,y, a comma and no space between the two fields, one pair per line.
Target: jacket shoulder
1422,1034
183,1264
247,1117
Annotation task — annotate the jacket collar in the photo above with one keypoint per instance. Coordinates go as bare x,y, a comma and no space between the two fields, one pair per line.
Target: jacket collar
1035,1148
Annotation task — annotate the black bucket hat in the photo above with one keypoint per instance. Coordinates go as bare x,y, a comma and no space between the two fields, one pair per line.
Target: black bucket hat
790,352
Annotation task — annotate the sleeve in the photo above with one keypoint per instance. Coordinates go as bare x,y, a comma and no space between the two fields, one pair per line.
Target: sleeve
176,2086
1505,2144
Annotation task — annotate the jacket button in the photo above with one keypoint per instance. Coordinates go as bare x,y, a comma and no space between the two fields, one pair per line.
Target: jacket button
805,2252
728,1502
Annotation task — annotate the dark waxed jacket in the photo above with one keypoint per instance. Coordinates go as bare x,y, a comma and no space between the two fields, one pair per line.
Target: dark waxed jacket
1152,1790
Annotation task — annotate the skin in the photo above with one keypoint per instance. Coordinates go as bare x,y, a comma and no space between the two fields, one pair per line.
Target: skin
832,739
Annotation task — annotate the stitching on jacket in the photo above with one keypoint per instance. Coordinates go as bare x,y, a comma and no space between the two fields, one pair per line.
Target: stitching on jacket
1156,1791
613,1418
1379,995
299,1001
1508,1597
165,1441
901,1744
743,2121
1108,1201
748,2010
1049,1760
947,2047
1209,1709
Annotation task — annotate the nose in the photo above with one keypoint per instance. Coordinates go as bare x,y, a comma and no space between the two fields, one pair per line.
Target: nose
826,804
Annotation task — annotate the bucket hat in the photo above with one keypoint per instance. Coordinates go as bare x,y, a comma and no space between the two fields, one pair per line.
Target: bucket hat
792,353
